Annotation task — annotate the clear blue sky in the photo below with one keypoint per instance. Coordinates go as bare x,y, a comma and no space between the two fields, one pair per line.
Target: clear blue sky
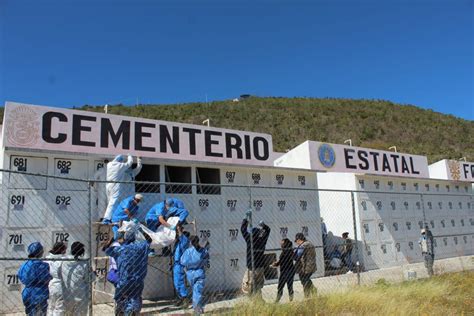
71,53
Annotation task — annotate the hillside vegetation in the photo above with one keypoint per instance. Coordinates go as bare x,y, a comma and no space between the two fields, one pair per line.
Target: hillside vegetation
369,123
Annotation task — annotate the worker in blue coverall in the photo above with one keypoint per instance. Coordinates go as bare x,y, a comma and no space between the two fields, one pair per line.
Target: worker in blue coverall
34,274
195,259
132,258
160,212
182,243
125,211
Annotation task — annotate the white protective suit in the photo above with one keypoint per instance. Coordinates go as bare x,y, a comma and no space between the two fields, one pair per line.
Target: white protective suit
130,175
56,300
76,275
116,171
100,199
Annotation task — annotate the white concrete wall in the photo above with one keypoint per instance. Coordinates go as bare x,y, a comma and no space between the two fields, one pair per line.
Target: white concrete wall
438,170
298,157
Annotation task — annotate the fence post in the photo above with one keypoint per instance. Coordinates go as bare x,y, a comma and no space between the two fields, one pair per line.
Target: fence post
250,225
423,208
354,221
90,248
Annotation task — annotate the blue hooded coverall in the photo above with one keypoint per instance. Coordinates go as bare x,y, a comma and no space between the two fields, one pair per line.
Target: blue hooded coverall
159,209
132,266
195,262
178,270
120,215
34,274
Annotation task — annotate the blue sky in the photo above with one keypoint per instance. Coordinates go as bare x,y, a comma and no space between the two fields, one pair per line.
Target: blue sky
71,53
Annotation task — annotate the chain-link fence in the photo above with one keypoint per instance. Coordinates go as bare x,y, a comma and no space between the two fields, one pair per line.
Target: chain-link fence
266,241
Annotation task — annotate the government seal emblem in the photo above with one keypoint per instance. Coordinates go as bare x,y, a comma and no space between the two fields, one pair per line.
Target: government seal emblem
326,155
454,169
22,127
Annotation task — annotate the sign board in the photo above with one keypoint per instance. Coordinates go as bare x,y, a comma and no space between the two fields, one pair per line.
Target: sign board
340,158
47,128
453,170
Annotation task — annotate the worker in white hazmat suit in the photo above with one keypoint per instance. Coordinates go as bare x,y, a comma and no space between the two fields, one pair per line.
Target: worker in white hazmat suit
75,276
130,175
56,297
116,171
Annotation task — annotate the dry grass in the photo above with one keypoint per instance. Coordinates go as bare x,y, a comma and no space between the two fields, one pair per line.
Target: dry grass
449,294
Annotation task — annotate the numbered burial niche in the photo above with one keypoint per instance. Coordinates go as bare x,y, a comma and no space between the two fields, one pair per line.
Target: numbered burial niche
369,231
306,206
412,250
34,165
215,274
235,205
102,289
233,176
259,178
443,226
207,209
70,169
366,207
234,242
459,245
383,231
263,208
397,229
26,209
15,241
369,256
211,236
464,227
178,180
412,227
400,256
445,247
11,288
158,281
67,208
69,236
387,252
284,208
235,266
281,178
100,234
397,207
470,244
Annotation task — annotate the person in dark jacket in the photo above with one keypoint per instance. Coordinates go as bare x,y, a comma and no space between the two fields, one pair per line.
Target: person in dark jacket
305,258
347,251
257,238
287,269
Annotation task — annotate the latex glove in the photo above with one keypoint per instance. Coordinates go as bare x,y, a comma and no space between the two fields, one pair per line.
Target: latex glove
248,213
135,220
261,223
173,227
106,221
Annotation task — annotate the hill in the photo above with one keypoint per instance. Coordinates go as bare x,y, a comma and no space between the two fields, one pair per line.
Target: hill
369,123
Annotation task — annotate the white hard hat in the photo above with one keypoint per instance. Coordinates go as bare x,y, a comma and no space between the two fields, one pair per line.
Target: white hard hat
138,196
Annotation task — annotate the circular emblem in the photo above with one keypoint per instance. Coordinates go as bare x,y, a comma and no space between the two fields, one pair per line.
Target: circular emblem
326,155
22,127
